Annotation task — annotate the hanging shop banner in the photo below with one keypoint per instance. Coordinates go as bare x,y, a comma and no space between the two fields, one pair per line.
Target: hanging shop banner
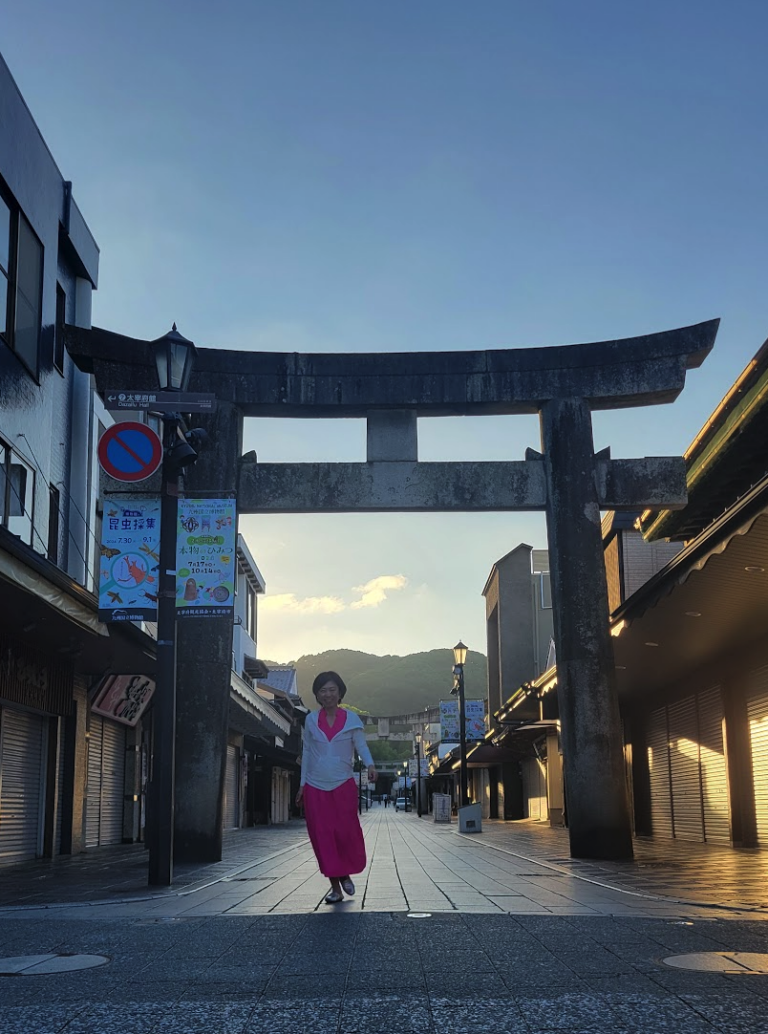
449,721
130,559
474,720
123,698
206,564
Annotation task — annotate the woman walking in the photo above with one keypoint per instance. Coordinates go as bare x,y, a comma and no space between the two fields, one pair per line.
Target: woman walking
328,788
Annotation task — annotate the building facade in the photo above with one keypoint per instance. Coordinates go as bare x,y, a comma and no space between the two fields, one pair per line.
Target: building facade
70,775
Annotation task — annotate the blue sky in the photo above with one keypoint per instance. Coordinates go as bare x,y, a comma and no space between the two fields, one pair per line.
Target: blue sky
367,176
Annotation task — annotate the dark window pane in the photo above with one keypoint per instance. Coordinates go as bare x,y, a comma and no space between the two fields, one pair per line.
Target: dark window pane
3,304
3,484
26,332
21,494
5,236
28,295
58,338
53,526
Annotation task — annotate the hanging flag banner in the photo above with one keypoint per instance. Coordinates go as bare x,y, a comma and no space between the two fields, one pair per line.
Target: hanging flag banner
206,563
413,770
474,720
130,559
449,721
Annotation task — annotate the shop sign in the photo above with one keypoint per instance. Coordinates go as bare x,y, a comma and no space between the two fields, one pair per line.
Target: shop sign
123,698
206,560
130,559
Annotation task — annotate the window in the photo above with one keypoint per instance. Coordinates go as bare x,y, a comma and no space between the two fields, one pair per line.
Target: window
250,612
21,285
17,493
5,272
54,502
58,330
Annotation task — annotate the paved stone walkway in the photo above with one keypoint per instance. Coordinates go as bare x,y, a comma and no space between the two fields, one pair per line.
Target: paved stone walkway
499,932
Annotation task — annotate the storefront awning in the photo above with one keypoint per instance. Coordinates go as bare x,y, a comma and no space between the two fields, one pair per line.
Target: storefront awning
252,703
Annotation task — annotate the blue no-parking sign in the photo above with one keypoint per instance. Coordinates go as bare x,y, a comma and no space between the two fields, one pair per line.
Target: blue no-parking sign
130,451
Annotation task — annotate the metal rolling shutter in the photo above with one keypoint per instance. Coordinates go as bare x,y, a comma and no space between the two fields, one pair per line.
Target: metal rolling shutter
22,739
687,816
714,770
112,783
106,783
230,789
93,798
658,769
757,713
534,789
59,793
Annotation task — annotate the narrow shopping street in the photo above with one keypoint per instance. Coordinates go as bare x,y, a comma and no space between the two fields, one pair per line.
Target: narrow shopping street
499,931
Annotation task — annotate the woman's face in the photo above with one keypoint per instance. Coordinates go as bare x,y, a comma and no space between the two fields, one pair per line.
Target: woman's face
328,695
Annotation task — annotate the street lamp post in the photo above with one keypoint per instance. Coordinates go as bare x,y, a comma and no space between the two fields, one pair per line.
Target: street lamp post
459,657
417,751
174,356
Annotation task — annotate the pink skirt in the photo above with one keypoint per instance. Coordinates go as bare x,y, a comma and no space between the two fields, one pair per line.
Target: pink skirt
334,829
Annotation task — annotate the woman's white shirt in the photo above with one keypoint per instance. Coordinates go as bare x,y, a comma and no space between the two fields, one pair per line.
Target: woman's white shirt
326,764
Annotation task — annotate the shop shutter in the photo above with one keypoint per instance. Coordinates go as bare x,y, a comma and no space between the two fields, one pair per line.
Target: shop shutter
22,740
687,815
230,790
112,783
658,768
535,789
59,790
714,770
757,712
106,783
93,798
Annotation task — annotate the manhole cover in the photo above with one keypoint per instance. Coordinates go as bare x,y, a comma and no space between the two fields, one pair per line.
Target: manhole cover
37,965
721,961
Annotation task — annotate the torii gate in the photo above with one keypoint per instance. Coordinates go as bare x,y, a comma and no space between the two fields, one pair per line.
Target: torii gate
566,479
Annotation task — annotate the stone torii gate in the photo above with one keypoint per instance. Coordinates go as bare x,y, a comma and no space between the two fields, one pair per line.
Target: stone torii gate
566,479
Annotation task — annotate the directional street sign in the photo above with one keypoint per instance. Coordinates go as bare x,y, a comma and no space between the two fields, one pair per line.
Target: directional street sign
160,401
130,451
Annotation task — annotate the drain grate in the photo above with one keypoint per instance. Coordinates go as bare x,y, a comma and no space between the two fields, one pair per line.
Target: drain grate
721,962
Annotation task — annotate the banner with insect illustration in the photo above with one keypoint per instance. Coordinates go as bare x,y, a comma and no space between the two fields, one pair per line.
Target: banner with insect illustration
130,559
206,561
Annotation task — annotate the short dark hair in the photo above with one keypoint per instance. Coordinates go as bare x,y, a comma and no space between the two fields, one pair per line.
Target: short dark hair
330,676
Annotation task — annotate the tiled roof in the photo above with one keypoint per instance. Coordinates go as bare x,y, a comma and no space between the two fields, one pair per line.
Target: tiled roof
281,679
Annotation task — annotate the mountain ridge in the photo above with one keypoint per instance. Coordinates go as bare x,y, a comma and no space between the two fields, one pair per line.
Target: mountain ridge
389,684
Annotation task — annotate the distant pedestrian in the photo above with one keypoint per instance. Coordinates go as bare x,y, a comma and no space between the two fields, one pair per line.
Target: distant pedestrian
328,788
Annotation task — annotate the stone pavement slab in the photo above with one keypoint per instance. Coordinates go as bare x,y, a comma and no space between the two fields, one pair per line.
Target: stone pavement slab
382,973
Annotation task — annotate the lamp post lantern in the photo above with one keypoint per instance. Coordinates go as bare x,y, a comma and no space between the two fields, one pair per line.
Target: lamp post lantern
417,752
174,357
459,657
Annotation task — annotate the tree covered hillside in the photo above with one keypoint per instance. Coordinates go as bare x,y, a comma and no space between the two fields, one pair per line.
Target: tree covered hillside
391,685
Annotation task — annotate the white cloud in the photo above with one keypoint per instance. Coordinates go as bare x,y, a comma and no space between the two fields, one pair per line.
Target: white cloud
289,603
375,591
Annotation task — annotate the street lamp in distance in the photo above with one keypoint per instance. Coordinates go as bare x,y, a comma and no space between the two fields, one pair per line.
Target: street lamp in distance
460,652
417,752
